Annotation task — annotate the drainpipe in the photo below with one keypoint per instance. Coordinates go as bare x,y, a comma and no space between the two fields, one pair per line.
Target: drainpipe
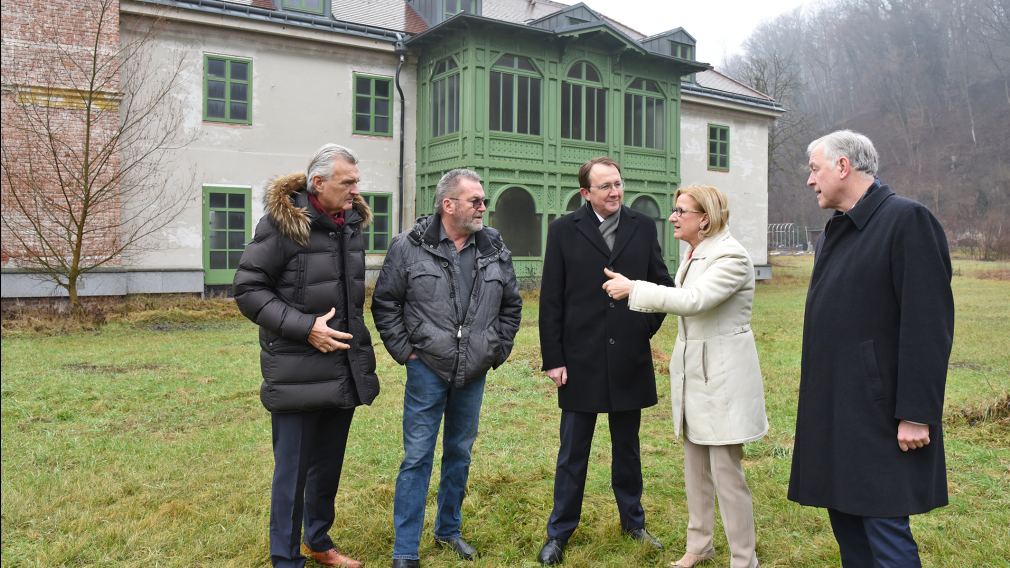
401,51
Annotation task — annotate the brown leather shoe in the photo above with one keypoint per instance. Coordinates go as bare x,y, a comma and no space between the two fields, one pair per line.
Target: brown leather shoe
332,557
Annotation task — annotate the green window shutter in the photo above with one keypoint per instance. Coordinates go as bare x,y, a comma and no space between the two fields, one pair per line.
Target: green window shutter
718,147
309,6
227,89
227,227
373,105
380,231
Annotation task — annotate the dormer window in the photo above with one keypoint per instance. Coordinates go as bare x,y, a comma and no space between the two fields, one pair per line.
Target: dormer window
317,7
452,7
682,50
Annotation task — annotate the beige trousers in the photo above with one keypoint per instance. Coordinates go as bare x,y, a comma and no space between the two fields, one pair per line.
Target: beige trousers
711,471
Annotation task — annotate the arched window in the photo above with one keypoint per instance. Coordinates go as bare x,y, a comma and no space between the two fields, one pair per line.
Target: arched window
583,104
647,206
445,97
574,203
644,115
515,96
515,216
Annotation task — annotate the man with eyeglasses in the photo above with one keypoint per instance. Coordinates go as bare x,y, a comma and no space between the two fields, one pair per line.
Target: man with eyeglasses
596,350
447,306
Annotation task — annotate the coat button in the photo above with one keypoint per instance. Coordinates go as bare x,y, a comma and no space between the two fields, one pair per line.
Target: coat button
444,264
333,235
612,304
612,341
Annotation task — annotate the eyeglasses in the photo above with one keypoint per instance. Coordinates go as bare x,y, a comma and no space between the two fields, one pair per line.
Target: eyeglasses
608,186
476,202
678,211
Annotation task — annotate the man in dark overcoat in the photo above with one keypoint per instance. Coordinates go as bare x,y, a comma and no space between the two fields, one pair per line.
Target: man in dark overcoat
877,336
595,349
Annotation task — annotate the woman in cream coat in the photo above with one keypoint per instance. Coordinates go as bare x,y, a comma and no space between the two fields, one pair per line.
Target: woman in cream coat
715,378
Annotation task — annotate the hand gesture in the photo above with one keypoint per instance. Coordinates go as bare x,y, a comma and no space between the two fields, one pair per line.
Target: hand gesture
618,287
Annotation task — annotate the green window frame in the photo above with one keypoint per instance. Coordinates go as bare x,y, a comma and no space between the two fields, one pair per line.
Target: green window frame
682,50
317,7
644,115
514,99
445,98
452,7
373,105
227,89
227,227
583,104
379,232
718,147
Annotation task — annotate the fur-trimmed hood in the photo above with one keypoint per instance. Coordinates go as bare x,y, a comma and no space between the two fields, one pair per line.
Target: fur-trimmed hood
286,201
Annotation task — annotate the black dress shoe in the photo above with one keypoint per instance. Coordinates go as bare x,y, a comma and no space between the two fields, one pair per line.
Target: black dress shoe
406,563
462,548
553,552
642,535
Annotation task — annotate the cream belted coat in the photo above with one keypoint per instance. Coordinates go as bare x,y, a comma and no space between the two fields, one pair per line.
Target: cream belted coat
715,378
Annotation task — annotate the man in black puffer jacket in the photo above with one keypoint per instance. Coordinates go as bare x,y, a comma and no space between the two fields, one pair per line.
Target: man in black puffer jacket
447,306
302,280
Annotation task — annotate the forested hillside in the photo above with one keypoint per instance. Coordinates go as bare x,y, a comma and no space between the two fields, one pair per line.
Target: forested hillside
927,80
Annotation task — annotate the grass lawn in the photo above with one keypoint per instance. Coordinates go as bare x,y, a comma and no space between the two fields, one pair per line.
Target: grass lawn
144,443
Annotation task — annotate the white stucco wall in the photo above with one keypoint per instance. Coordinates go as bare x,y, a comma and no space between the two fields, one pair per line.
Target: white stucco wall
302,97
746,182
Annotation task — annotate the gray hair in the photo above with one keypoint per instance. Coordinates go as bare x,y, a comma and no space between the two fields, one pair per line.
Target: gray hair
450,182
321,164
853,145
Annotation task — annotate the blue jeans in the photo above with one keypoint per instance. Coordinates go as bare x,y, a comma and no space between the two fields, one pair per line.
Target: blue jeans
426,398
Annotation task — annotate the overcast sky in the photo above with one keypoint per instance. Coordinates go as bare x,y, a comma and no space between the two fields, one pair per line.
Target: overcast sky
719,26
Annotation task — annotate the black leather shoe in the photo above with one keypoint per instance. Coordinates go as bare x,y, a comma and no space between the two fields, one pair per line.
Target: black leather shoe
406,563
553,552
642,535
460,546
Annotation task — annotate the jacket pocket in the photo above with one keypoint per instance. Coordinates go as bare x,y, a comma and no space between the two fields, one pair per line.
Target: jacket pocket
422,281
871,370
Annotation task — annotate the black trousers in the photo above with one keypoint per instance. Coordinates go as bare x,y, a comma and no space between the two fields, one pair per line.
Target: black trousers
573,461
308,457
874,542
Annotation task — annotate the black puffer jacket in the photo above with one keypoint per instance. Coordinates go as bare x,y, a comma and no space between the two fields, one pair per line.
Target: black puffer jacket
298,266
415,309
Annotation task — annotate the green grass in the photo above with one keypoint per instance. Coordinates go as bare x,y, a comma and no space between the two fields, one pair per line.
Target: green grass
143,442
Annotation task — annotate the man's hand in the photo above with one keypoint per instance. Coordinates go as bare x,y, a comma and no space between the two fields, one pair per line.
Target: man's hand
559,375
912,436
618,287
325,339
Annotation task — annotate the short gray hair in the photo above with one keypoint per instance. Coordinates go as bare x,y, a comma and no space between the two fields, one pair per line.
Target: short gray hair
450,182
853,145
322,163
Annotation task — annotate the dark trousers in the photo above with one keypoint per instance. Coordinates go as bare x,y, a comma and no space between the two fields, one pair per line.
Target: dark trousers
573,461
308,456
874,542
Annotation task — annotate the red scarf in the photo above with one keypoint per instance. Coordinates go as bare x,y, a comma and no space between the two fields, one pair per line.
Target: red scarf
338,218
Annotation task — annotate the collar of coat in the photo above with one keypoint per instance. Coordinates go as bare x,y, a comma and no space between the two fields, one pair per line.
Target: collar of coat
706,244
868,204
428,232
287,202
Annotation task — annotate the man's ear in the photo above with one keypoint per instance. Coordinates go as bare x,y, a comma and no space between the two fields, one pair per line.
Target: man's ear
844,167
584,192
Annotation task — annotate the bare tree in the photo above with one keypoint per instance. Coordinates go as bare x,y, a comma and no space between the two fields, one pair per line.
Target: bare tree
87,128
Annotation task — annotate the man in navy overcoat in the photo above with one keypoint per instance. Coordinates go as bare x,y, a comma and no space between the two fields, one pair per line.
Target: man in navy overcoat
877,336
